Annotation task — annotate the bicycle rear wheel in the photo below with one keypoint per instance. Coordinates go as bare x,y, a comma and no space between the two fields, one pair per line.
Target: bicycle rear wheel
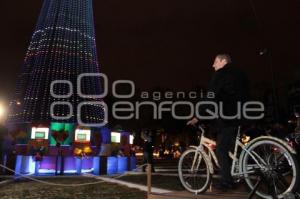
193,170
279,175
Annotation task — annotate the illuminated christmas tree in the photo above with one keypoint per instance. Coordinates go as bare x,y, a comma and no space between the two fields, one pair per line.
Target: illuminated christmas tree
62,47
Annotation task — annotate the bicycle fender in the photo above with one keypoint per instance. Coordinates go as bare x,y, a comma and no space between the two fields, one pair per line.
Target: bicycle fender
284,143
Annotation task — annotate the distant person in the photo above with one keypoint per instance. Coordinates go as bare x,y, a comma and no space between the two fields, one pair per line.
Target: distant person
146,135
229,86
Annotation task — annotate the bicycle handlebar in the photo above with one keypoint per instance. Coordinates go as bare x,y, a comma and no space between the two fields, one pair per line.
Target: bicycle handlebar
199,127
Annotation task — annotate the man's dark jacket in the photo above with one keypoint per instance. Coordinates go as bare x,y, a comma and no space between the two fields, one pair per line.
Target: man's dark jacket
230,86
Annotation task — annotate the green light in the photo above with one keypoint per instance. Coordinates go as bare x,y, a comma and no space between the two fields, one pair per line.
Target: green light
40,135
57,126
114,139
81,137
67,127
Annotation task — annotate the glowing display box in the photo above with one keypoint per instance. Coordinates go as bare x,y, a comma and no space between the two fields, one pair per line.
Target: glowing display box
59,127
122,164
39,133
131,138
112,165
82,135
115,137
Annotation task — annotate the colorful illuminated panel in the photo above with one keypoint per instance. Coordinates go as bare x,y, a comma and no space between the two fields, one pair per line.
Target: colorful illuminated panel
131,138
62,127
83,135
39,133
115,137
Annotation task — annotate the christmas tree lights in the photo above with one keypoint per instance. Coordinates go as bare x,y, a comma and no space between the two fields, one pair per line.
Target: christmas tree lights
62,47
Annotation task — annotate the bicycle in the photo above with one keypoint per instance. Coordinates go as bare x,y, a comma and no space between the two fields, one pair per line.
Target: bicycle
264,159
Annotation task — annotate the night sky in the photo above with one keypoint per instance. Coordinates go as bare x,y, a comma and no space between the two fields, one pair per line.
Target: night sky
171,43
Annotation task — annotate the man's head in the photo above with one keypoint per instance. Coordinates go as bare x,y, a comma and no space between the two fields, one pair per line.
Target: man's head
221,60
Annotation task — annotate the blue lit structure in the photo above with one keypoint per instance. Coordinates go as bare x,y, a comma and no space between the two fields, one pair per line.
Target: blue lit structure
62,47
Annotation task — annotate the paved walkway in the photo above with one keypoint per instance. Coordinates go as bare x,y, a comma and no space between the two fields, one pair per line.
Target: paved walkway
207,195
132,185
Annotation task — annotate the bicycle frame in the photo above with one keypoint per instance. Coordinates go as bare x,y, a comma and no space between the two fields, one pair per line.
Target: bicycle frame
206,143
246,161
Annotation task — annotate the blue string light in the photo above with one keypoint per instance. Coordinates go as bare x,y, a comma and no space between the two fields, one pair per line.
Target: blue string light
62,47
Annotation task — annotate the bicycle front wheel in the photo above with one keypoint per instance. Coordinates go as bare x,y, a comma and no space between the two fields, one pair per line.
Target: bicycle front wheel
278,174
193,170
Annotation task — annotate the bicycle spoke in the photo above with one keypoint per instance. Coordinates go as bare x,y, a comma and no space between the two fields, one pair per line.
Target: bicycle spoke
279,170
193,173
281,155
282,181
273,190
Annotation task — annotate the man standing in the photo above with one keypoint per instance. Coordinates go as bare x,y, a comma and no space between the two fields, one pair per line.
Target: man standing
148,149
230,86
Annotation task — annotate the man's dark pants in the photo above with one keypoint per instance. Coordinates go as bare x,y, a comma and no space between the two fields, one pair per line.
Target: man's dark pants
148,155
225,142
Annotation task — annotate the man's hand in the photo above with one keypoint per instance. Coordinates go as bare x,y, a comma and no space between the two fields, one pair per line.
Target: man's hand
192,122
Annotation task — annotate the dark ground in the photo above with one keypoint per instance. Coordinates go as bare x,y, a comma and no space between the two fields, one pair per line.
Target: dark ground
158,181
35,190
